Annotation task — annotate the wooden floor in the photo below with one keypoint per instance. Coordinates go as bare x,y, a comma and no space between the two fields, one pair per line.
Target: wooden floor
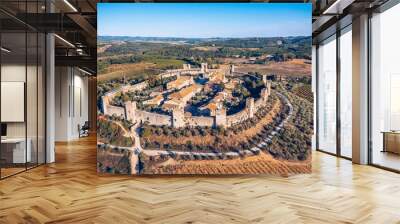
386,159
70,191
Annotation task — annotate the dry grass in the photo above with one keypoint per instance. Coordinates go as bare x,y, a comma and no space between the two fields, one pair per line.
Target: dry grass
205,48
103,48
101,58
233,60
118,70
296,67
260,164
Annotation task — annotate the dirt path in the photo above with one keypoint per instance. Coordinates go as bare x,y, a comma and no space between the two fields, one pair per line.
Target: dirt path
136,147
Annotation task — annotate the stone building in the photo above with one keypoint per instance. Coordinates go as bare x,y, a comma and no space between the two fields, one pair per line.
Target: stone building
268,87
264,79
130,111
217,77
186,93
172,104
180,82
155,101
232,69
178,116
250,106
220,117
265,92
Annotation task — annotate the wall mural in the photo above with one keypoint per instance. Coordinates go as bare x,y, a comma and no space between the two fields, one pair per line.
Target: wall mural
204,88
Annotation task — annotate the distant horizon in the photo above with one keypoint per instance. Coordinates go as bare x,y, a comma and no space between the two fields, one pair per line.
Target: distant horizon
204,20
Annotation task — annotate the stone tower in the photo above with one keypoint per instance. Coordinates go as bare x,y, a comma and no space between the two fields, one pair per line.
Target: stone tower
264,79
224,80
204,67
264,94
220,117
232,69
178,118
268,86
250,106
105,102
130,111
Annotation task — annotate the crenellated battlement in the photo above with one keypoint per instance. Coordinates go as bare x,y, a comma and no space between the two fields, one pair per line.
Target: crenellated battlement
178,117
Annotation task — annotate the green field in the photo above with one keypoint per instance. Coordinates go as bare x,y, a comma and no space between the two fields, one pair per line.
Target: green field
164,63
148,65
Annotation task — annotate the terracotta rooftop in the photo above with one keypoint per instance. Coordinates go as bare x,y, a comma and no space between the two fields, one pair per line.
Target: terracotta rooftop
184,92
219,97
156,100
231,84
179,81
171,104
212,106
217,77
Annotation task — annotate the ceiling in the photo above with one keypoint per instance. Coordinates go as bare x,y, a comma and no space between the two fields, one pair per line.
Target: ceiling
330,13
73,21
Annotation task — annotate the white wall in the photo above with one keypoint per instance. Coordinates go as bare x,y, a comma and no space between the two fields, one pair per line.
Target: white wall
80,111
12,73
33,126
62,82
71,102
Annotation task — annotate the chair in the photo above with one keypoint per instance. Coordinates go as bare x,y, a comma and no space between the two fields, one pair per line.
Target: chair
84,130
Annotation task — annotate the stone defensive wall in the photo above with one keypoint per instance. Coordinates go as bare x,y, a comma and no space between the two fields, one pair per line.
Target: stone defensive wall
109,109
133,88
152,118
185,71
177,72
205,121
245,114
237,117
178,117
114,110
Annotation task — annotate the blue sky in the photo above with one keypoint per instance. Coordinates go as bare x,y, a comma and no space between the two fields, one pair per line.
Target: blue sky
204,19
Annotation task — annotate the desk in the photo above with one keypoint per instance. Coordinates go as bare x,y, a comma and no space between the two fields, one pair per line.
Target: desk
13,150
391,141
